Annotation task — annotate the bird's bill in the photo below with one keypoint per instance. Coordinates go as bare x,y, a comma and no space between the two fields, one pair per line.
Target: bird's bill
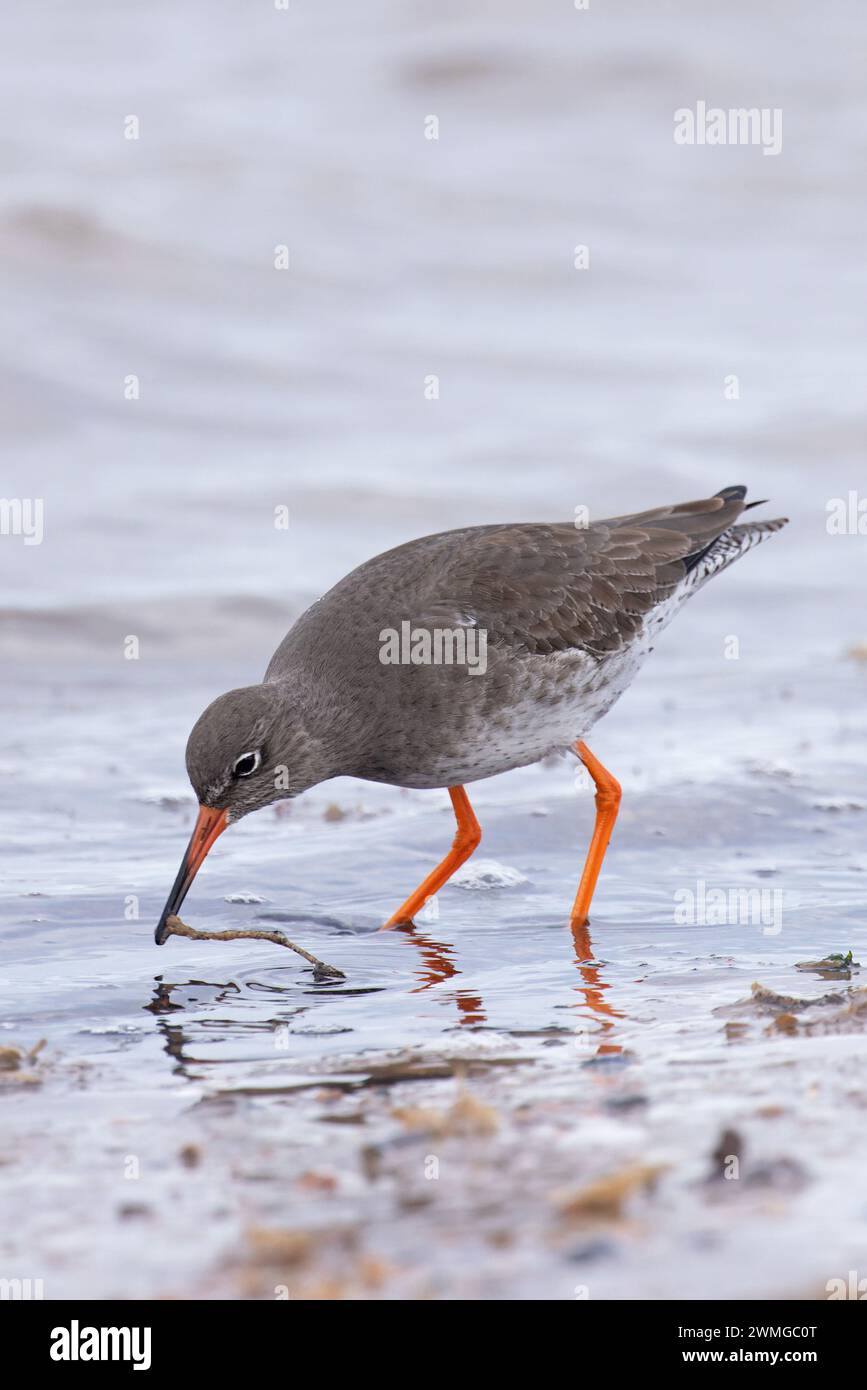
209,824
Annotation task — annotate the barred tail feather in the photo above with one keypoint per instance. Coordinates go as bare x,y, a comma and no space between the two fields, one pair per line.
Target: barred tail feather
730,546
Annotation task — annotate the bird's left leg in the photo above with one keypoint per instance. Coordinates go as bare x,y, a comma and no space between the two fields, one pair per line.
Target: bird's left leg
607,806
467,837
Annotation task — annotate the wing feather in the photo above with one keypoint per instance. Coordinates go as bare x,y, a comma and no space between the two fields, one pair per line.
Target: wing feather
553,587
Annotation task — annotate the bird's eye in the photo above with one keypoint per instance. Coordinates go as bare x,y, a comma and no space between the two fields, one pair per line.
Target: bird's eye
246,764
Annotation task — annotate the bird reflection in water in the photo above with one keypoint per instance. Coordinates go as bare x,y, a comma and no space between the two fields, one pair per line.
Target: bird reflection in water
438,966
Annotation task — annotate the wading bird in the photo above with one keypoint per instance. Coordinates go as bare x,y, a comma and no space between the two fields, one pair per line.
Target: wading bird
567,615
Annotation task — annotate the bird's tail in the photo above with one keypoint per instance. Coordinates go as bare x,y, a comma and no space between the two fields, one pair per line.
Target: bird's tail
731,544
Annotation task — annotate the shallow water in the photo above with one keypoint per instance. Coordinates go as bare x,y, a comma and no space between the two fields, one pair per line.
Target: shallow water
204,1119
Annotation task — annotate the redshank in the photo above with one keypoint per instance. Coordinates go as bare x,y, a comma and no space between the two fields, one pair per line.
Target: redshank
562,616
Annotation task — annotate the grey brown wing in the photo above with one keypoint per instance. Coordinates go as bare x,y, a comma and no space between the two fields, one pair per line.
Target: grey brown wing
546,588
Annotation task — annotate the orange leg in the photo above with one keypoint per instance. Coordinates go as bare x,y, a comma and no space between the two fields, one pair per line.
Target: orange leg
607,806
468,835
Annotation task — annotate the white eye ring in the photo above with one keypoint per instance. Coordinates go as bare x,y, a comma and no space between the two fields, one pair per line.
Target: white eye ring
248,772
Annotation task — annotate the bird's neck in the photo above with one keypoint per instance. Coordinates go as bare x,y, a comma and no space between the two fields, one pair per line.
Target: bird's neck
316,731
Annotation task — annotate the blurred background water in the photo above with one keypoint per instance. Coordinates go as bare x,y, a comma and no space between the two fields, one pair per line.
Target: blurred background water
305,388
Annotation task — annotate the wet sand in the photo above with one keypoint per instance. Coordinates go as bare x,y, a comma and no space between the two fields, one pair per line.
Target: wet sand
205,1120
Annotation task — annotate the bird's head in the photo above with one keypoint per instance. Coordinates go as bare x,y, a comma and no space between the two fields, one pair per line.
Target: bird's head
244,752
235,753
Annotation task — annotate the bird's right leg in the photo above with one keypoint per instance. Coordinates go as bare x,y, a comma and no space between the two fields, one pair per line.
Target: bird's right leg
467,838
607,806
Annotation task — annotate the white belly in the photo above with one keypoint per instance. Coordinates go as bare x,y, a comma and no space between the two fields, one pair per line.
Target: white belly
542,705
559,700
